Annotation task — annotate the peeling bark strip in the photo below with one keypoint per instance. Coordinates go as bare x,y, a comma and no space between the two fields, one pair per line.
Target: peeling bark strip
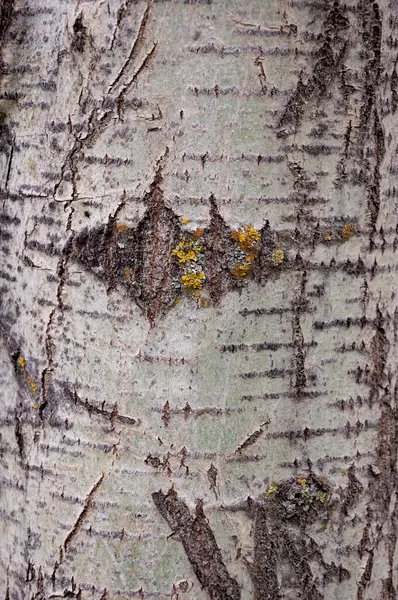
87,505
199,544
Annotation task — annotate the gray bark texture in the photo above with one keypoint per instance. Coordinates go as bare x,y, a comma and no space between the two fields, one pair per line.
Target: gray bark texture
198,299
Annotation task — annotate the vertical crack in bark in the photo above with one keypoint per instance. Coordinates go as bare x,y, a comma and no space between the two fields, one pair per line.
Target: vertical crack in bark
262,77
94,127
366,576
384,485
19,435
7,141
144,63
298,339
369,122
199,544
6,10
134,49
87,505
49,343
394,88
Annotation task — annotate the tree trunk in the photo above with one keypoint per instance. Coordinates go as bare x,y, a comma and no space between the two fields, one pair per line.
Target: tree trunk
198,315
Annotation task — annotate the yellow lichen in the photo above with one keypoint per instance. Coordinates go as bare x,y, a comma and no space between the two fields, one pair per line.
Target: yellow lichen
322,497
348,231
32,384
193,280
248,239
278,257
241,271
271,489
190,257
185,256
35,406
185,220
21,361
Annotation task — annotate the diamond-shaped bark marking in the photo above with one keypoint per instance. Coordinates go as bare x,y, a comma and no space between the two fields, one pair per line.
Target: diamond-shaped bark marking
156,236
219,248
141,259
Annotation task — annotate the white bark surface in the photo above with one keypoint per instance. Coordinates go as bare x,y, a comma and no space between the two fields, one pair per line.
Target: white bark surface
268,401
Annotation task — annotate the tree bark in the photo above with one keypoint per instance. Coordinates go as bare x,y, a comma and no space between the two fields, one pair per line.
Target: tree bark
198,313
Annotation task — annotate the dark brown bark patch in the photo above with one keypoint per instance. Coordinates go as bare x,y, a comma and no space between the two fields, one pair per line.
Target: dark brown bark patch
218,246
328,59
199,544
79,34
263,571
149,261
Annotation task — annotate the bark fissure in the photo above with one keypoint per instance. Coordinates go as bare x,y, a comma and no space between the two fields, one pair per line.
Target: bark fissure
199,544
83,514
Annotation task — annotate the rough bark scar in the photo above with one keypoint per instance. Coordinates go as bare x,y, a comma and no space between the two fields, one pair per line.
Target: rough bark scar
141,259
263,571
79,34
199,544
298,339
326,68
87,505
